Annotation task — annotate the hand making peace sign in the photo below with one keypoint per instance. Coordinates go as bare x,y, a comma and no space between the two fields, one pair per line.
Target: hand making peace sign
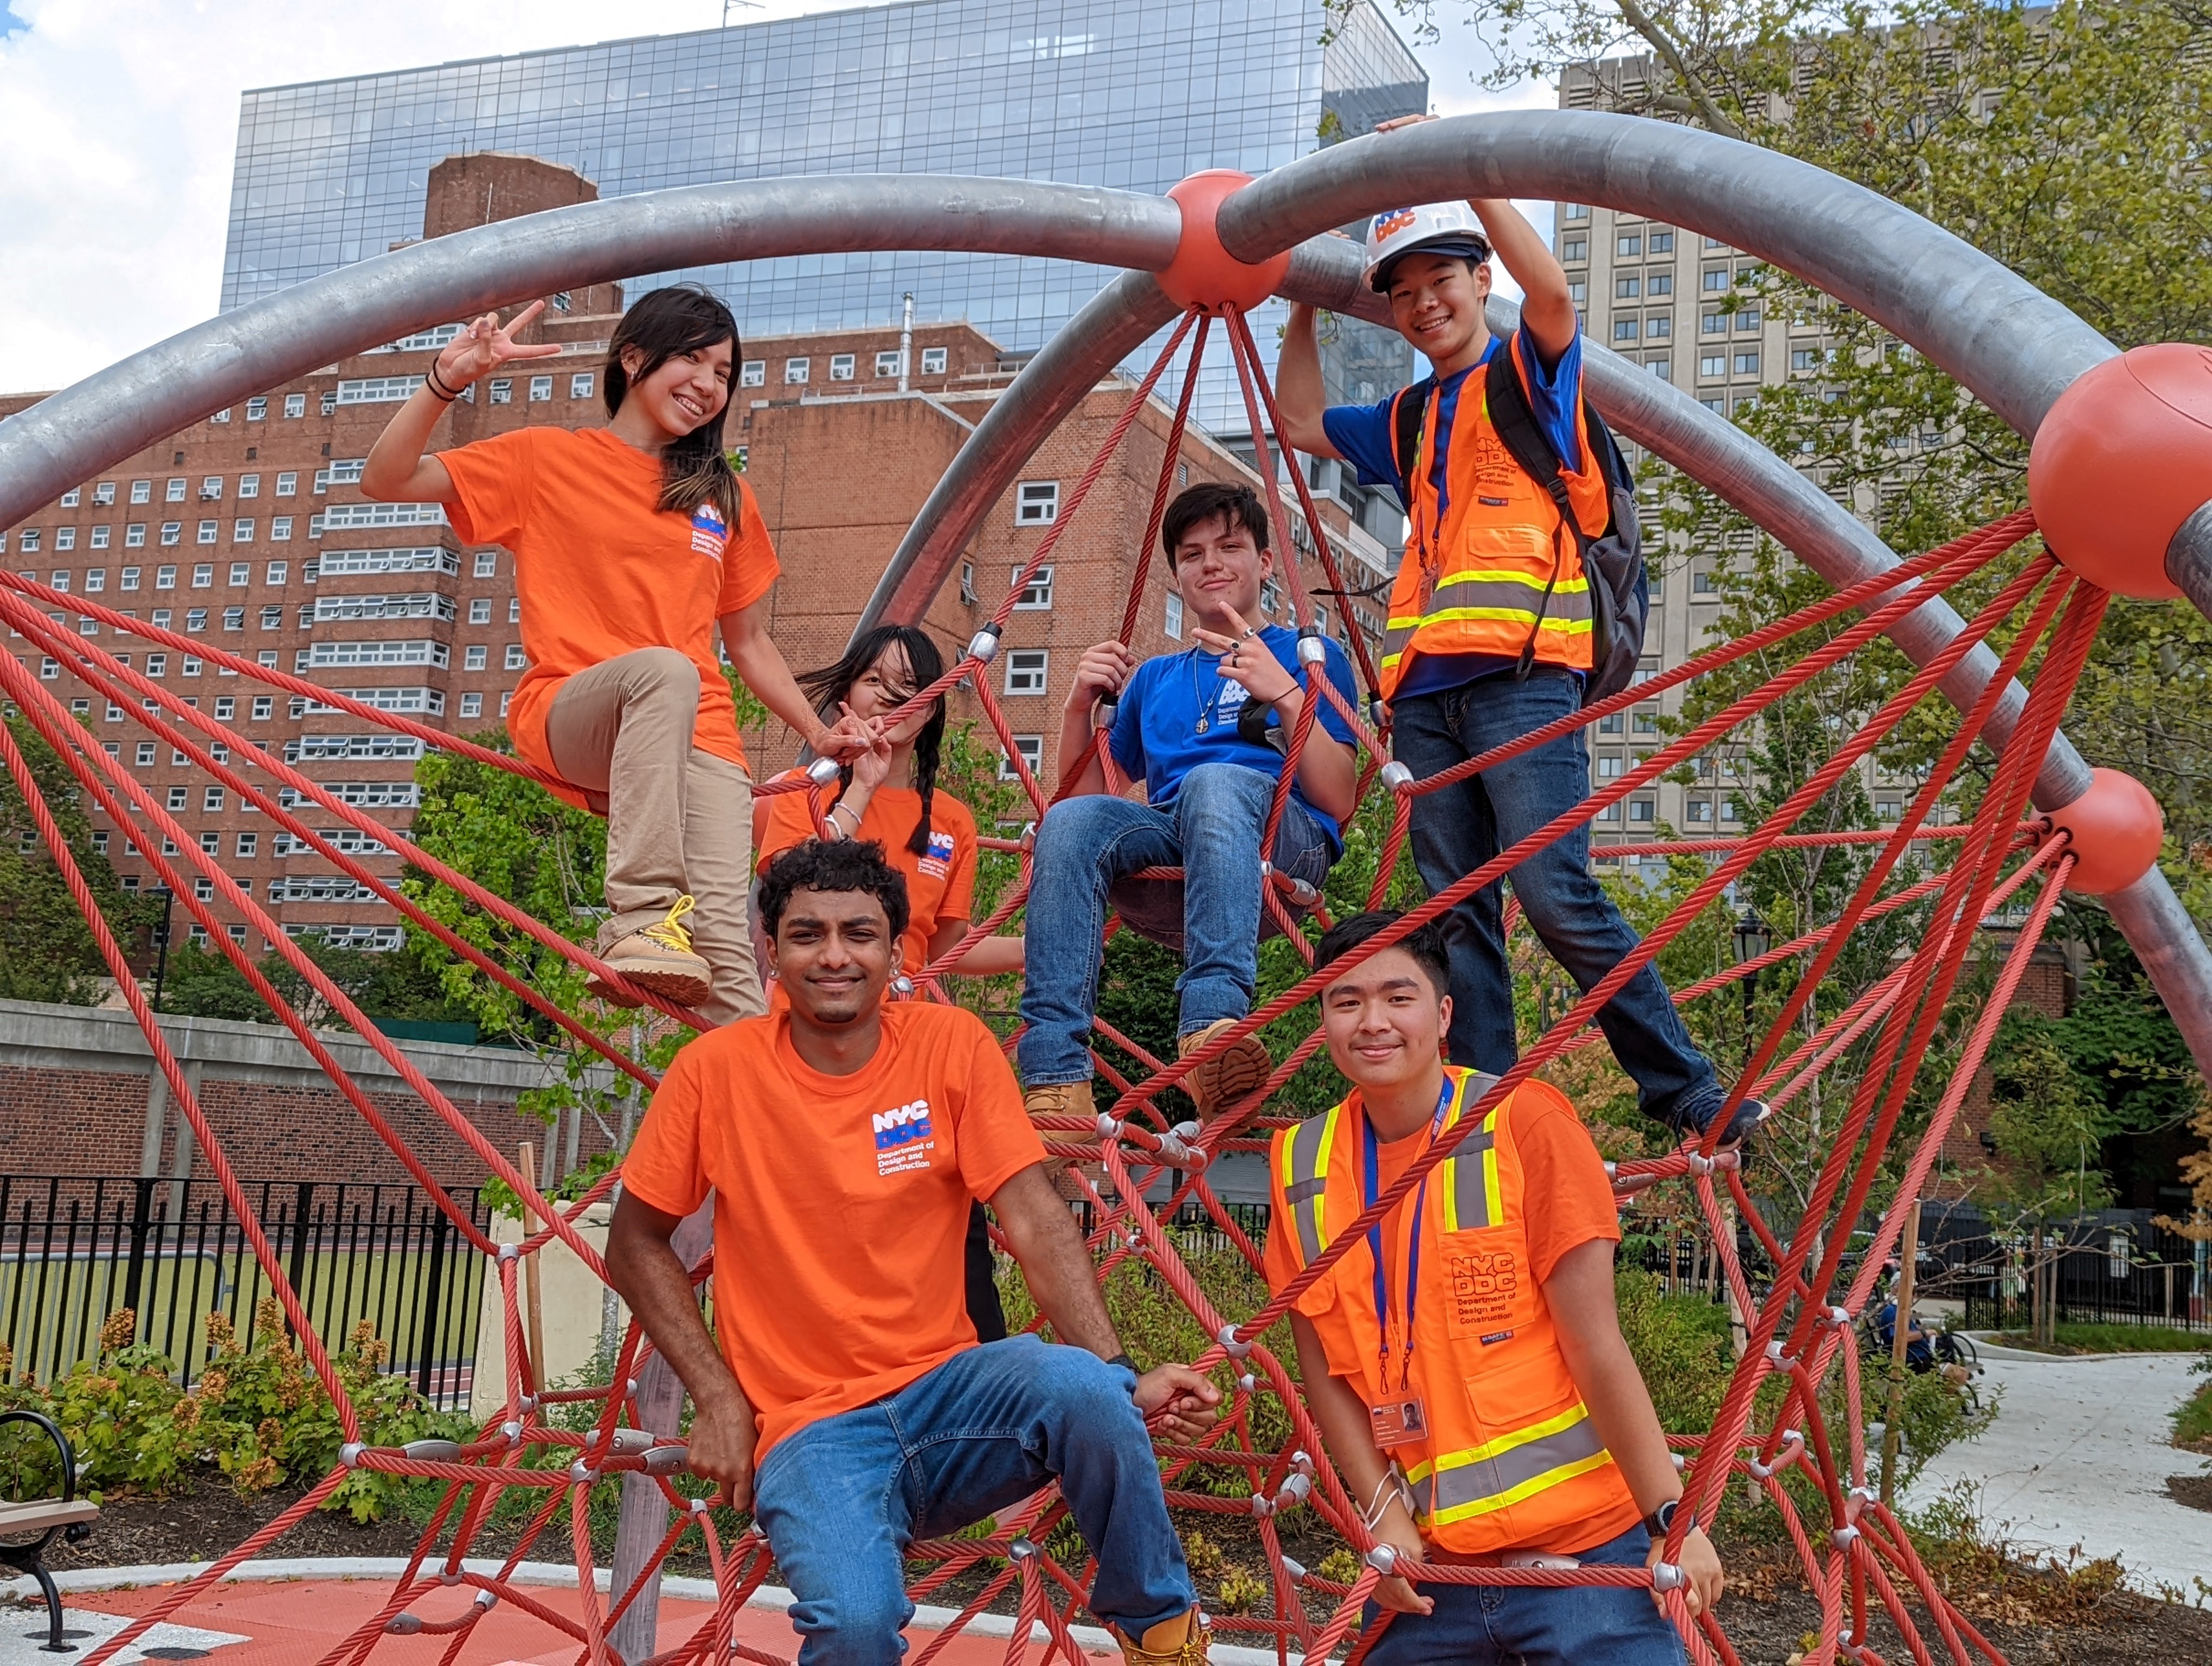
483,346
1247,660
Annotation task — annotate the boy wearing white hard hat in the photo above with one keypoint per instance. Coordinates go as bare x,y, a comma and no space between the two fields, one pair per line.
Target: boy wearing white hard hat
1489,633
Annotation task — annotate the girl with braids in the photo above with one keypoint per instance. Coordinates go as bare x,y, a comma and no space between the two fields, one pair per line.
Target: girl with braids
631,543
889,795
928,836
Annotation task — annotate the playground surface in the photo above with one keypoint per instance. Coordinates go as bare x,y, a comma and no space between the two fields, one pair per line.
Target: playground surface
2078,1455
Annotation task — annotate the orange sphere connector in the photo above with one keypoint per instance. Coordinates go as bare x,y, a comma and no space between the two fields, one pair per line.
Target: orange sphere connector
1203,274
2121,460
2113,833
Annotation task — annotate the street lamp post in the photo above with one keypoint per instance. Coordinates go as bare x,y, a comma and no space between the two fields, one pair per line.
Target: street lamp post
1753,937
162,944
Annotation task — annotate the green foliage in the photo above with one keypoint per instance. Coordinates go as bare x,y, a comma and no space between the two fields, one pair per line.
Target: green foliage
2192,1419
1681,1346
2071,1336
46,949
201,982
2046,1128
257,1416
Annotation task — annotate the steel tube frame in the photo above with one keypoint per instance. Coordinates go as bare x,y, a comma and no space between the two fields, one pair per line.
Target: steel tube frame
75,434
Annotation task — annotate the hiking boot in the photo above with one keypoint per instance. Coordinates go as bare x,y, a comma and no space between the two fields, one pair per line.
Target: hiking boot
1063,1099
1178,1641
658,958
1226,1074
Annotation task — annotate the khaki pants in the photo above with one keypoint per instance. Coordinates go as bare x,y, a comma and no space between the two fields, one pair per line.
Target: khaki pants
679,820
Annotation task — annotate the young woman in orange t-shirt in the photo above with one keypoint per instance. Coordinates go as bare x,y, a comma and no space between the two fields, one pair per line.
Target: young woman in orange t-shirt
927,834
631,543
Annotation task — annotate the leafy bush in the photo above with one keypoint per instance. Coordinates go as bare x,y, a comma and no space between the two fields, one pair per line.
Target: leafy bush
258,1415
2192,1419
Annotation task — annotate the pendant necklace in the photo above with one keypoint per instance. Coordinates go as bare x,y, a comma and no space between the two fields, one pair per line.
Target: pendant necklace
1211,708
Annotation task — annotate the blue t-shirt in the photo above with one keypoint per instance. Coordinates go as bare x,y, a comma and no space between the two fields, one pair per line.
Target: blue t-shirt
1363,436
1156,734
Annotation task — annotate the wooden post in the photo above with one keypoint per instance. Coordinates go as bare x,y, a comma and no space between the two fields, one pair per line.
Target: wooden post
1892,1437
533,1299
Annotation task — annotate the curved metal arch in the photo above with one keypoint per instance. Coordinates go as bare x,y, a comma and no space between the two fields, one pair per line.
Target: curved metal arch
2014,347
73,434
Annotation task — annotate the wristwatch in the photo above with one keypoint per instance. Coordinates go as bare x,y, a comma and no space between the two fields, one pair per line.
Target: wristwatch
1661,1521
1126,1364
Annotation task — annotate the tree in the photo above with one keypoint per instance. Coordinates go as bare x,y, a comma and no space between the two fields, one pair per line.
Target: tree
2047,1173
46,949
393,983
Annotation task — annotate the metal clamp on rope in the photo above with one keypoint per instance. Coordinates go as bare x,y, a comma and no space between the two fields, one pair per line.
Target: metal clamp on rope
402,1624
902,988
825,770
1840,1318
1396,775
629,1443
1701,1163
1235,1349
1383,1559
1293,1491
507,1252
1262,1505
1102,715
1844,1537
666,1460
1109,1126
1247,1383
527,1404
1377,714
1302,1463
583,1473
1665,1576
487,1600
1681,1464
510,1431
983,645
1020,1551
1313,647
450,1577
697,1506
349,1454
1295,1570
1774,1355
433,1452
1301,893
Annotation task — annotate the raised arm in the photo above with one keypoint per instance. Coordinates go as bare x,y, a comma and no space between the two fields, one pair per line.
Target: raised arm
761,663
1547,311
647,1273
397,471
1581,1296
1300,394
1049,1248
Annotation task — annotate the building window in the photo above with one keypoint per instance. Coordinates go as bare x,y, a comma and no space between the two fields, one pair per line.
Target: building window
1659,327
1030,749
133,536
480,611
72,497
241,531
296,405
145,753
933,360
1036,503
208,531
1624,329
753,374
30,539
1699,810
175,493
1025,669
249,485
1712,364
515,610
580,385
1627,286
275,573
1629,244
794,372
1611,723
1659,283
473,658
503,390
516,659
1746,318
472,705
1747,364
165,578
968,582
541,389
233,618
204,576
887,362
141,492
131,577
1574,248
1715,280
99,535
1608,767
505,696
65,538
50,669
487,564
1172,621
1574,211
841,367
1713,324
1643,810
1036,593
1663,369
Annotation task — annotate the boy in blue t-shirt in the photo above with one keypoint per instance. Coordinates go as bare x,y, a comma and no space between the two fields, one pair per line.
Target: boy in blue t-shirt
1204,730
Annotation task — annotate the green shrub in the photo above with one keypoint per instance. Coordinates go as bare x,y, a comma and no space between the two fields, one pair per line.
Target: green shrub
2192,1419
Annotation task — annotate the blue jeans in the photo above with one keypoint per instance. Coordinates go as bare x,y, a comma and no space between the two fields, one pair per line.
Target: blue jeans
1523,1626
841,1498
1459,828
1211,832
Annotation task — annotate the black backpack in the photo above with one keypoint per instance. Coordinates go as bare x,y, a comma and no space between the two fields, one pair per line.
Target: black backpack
1620,599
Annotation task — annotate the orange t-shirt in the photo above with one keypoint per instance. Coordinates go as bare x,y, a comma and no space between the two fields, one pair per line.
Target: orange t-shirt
1567,1201
602,572
940,884
841,1202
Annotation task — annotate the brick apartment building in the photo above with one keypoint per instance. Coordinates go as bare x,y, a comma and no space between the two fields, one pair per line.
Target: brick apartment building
249,528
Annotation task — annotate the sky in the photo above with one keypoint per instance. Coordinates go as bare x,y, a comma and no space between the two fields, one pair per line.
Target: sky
118,120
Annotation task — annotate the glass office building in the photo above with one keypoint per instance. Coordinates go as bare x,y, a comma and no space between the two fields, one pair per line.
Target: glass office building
1134,94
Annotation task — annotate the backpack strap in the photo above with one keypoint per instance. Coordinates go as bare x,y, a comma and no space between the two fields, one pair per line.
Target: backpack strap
1515,419
1409,412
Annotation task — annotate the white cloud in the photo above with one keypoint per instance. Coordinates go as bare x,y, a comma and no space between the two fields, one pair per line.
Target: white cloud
119,120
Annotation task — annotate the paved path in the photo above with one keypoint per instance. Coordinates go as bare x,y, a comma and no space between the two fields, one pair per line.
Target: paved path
2078,1455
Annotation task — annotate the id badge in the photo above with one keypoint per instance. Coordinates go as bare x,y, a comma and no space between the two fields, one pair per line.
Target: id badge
1402,1420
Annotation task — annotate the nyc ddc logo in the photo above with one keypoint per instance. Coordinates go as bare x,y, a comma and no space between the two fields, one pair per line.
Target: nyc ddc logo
904,1138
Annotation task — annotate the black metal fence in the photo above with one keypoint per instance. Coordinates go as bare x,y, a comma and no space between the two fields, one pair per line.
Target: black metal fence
76,1249
2116,1267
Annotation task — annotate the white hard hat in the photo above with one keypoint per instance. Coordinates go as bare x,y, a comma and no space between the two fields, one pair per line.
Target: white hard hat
1444,228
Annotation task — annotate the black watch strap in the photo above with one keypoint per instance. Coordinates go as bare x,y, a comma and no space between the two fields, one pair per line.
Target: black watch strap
1125,1361
1661,1521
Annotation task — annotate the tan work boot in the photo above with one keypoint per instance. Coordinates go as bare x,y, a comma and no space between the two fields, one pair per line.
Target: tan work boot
1062,1099
658,958
1178,1641
1231,1074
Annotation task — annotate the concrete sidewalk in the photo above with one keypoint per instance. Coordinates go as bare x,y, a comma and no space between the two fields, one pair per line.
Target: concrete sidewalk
2078,1455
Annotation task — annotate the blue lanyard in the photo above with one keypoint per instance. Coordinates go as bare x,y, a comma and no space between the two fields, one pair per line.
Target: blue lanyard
1375,1233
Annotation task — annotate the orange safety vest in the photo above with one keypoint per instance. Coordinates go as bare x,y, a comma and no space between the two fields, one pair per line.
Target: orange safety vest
1473,577
1512,1461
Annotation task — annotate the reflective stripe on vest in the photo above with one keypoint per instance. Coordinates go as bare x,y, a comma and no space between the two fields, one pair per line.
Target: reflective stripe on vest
1306,1178
1499,1473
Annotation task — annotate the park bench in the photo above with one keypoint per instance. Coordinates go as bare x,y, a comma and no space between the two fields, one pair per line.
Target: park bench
28,1529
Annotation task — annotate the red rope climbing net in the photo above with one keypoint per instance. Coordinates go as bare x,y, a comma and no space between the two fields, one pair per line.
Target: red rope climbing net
1775,1431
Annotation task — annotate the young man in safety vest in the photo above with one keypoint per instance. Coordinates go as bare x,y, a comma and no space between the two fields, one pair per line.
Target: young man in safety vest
1204,731
848,1404
1489,633
1463,1360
